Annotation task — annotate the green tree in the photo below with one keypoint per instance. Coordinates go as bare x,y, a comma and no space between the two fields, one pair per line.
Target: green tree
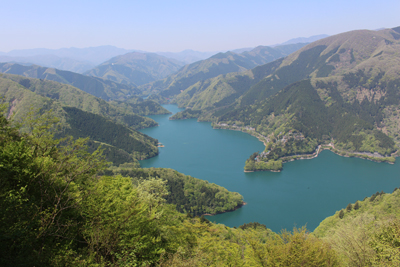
349,207
43,183
341,214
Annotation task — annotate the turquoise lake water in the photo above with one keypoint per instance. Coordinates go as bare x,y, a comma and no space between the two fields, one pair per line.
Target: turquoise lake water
304,193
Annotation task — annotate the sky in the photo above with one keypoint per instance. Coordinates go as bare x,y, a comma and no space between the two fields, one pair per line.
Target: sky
173,26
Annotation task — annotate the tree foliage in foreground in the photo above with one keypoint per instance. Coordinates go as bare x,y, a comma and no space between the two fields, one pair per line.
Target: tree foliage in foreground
57,211
188,194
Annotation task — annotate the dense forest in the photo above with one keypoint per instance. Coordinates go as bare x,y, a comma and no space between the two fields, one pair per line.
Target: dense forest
73,97
141,107
190,195
59,210
84,124
299,109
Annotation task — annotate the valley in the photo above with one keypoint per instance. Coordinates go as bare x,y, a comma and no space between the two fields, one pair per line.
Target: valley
124,157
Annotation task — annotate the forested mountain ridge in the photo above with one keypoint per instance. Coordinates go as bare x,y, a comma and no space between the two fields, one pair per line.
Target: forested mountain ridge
141,107
353,75
120,143
74,97
136,68
365,233
221,63
105,89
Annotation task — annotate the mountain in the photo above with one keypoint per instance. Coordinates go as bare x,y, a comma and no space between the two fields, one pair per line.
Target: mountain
73,97
366,232
341,91
304,39
187,56
142,107
51,61
136,68
94,55
81,115
105,89
221,63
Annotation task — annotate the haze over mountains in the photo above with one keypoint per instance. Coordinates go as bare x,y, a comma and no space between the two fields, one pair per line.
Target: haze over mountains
304,39
136,68
83,59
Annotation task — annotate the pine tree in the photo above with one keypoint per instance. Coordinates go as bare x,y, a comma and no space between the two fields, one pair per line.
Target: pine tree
341,214
349,207
356,206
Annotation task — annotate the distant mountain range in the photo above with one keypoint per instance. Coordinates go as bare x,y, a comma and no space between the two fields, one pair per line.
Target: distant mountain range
105,89
95,55
83,59
221,63
51,61
136,68
187,56
304,39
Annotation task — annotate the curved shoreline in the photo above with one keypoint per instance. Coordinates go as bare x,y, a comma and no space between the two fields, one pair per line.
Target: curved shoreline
264,140
235,208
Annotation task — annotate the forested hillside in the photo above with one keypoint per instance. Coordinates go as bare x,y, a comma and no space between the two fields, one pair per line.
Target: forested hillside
105,89
341,91
120,143
365,233
58,211
221,63
141,107
73,97
189,195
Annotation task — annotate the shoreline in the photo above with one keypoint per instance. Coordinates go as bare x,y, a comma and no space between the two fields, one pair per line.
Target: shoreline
237,207
263,139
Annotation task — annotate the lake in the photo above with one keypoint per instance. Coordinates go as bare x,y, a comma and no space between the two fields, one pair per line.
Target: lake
304,193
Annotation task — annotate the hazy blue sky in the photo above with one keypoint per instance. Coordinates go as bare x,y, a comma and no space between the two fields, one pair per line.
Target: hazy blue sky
177,25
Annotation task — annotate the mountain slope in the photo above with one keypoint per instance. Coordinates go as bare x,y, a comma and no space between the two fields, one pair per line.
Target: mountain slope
187,56
51,61
221,63
350,97
104,89
94,55
73,97
120,143
305,39
136,68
